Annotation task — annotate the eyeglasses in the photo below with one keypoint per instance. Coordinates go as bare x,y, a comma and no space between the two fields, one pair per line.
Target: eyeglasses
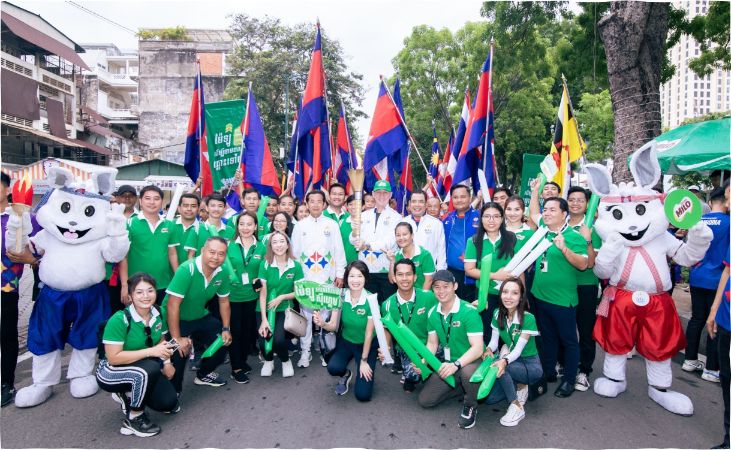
576,200
148,337
492,217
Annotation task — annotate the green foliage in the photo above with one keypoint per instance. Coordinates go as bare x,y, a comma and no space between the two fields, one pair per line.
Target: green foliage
275,57
179,33
596,124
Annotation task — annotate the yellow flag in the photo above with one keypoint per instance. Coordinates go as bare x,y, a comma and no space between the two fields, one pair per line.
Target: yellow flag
567,145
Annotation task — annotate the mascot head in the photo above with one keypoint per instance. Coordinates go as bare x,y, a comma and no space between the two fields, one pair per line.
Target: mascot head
634,210
76,213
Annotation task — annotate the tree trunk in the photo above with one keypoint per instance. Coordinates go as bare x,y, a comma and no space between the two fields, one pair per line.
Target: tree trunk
634,35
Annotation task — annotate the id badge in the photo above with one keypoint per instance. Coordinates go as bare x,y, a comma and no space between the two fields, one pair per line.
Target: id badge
245,278
544,264
447,354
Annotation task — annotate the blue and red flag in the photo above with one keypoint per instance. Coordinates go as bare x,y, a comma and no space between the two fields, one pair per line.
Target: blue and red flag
257,166
442,170
310,156
434,164
457,147
344,154
196,148
399,164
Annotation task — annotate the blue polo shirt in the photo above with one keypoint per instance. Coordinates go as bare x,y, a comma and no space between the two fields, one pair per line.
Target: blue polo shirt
457,230
707,272
723,315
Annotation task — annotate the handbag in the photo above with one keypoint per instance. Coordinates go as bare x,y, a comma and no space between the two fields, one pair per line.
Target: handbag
295,322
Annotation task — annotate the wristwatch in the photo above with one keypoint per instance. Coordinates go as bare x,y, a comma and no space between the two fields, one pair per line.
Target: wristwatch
588,242
225,329
457,364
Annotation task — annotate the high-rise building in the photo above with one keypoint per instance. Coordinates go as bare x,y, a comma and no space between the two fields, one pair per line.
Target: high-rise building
686,95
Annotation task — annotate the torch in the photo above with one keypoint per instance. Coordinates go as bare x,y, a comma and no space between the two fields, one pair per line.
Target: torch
22,201
357,176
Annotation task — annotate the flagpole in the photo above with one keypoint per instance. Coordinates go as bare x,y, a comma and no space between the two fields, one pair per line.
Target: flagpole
243,137
295,131
576,122
199,131
411,138
324,94
351,151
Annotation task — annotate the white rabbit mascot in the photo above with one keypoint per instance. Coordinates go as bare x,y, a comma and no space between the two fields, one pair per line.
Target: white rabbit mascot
80,233
636,310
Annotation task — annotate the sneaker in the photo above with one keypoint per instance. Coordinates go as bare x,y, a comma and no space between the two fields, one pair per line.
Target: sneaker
195,365
691,365
344,383
396,367
522,395
305,359
582,382
122,400
246,368
140,426
409,386
8,391
240,377
287,369
559,370
212,379
322,361
174,410
267,369
468,417
513,417
714,376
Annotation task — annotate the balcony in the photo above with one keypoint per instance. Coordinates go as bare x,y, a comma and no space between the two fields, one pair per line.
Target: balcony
49,80
116,80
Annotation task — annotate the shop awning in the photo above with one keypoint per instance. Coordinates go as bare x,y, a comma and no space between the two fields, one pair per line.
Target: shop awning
98,118
98,129
66,142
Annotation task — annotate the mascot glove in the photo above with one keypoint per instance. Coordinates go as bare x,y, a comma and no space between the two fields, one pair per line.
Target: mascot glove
116,222
612,247
15,223
700,233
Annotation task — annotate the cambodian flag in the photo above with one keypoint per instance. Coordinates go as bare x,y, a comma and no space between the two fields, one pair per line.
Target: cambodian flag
196,148
344,154
399,164
310,156
257,165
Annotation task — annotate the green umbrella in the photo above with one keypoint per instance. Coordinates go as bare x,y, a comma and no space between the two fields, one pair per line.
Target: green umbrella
696,147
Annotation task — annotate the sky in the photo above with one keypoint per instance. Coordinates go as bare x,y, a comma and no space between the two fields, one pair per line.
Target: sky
371,31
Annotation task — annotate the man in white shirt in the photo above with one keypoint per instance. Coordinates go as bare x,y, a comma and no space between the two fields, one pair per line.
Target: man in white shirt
377,236
317,244
428,231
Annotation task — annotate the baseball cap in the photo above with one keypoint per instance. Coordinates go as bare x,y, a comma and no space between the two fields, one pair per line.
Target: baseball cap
125,189
694,188
382,185
444,275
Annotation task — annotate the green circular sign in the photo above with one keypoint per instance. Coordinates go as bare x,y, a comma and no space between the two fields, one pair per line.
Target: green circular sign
683,209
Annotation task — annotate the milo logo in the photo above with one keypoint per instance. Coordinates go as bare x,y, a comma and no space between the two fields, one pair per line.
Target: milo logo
682,209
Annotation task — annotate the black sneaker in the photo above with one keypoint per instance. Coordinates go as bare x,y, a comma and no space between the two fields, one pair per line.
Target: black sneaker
195,365
468,417
140,426
240,377
246,368
409,386
344,383
174,410
122,400
8,391
396,367
212,379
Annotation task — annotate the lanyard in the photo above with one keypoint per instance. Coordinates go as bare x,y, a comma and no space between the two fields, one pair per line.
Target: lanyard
243,254
411,312
448,331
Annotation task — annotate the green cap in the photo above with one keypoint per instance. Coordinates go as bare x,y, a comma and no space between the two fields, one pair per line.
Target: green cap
382,185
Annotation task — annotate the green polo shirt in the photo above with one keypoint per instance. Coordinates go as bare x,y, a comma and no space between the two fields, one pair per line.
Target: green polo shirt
555,279
490,248
354,318
196,241
346,227
115,332
454,328
424,263
181,234
148,249
263,229
512,332
413,312
587,277
526,232
190,284
281,282
246,269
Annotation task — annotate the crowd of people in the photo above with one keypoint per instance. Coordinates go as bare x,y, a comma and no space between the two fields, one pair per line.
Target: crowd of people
214,274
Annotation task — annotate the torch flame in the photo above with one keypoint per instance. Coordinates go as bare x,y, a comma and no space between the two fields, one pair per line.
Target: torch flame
23,191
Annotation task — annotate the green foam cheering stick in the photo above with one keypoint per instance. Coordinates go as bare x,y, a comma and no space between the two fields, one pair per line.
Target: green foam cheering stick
591,210
486,375
262,209
271,318
479,374
485,269
395,331
213,348
423,351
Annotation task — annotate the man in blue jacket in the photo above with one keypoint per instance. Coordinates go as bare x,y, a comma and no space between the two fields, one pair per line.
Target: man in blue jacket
460,225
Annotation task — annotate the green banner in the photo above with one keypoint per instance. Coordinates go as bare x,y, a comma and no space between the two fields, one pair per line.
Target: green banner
531,169
313,295
223,131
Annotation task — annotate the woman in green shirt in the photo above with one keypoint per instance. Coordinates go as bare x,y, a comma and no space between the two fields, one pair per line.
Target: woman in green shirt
491,238
135,362
246,255
518,364
277,275
423,260
356,335
280,222
515,217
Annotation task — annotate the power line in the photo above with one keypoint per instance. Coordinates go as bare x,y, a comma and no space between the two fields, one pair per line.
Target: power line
99,16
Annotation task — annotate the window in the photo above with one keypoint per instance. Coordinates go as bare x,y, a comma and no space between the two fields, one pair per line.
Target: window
708,102
695,85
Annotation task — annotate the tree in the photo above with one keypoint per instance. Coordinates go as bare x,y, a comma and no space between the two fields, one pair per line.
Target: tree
275,57
634,36
596,124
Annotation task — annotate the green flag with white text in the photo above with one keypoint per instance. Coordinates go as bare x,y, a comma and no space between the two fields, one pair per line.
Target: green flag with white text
223,131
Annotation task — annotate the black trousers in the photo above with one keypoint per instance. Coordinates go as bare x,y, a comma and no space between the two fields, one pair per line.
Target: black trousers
557,325
280,344
724,340
204,330
378,284
153,387
585,319
243,332
701,300
464,291
9,336
493,302
115,297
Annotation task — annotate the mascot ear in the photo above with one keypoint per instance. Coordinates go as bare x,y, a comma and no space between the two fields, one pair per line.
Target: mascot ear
59,177
600,181
644,166
103,181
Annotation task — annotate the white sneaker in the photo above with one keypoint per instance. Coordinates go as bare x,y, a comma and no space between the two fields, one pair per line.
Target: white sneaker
322,361
522,395
267,369
305,359
287,369
559,370
513,417
714,376
582,382
691,365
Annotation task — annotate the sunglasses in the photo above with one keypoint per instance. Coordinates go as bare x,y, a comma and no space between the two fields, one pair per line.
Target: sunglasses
148,337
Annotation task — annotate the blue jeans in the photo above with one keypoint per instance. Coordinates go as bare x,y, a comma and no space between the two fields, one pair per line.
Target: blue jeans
521,371
338,365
